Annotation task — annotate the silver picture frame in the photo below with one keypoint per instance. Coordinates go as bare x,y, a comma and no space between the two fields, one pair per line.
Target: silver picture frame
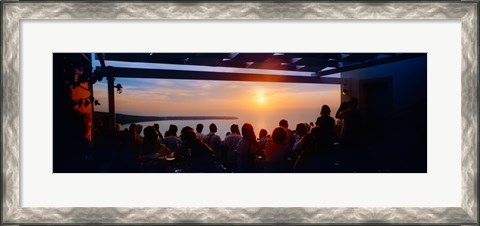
14,12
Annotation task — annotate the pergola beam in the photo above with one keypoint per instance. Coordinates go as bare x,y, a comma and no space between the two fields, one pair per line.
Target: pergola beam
121,72
111,95
387,60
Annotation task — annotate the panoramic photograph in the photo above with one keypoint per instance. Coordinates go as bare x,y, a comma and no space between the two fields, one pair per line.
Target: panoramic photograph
240,112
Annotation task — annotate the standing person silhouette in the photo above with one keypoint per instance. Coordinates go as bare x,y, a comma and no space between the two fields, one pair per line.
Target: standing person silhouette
352,134
352,119
214,142
327,127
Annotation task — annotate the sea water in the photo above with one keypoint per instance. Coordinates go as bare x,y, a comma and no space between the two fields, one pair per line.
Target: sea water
259,121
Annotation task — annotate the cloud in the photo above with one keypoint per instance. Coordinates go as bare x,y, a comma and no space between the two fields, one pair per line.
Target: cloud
190,97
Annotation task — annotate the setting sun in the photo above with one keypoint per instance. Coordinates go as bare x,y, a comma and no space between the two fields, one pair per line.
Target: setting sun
261,99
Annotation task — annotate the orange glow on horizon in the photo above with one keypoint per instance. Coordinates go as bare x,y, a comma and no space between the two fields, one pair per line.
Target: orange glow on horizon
193,98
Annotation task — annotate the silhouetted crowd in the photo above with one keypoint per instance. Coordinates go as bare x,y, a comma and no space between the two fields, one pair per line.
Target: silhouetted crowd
311,147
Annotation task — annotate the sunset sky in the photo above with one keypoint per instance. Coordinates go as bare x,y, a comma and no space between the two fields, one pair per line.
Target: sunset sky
170,97
193,97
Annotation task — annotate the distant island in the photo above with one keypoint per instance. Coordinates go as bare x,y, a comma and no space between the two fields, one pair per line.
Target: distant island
126,119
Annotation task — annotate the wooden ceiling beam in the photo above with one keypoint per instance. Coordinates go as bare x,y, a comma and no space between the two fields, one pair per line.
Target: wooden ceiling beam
121,72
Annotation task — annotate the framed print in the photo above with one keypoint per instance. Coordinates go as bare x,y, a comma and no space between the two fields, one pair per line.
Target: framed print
225,91
415,62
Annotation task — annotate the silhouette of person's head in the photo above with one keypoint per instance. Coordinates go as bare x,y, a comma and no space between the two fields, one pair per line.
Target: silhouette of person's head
149,133
199,128
283,123
173,129
316,132
139,128
132,127
184,129
279,135
149,138
234,129
188,137
156,126
213,128
301,129
263,133
325,110
248,133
